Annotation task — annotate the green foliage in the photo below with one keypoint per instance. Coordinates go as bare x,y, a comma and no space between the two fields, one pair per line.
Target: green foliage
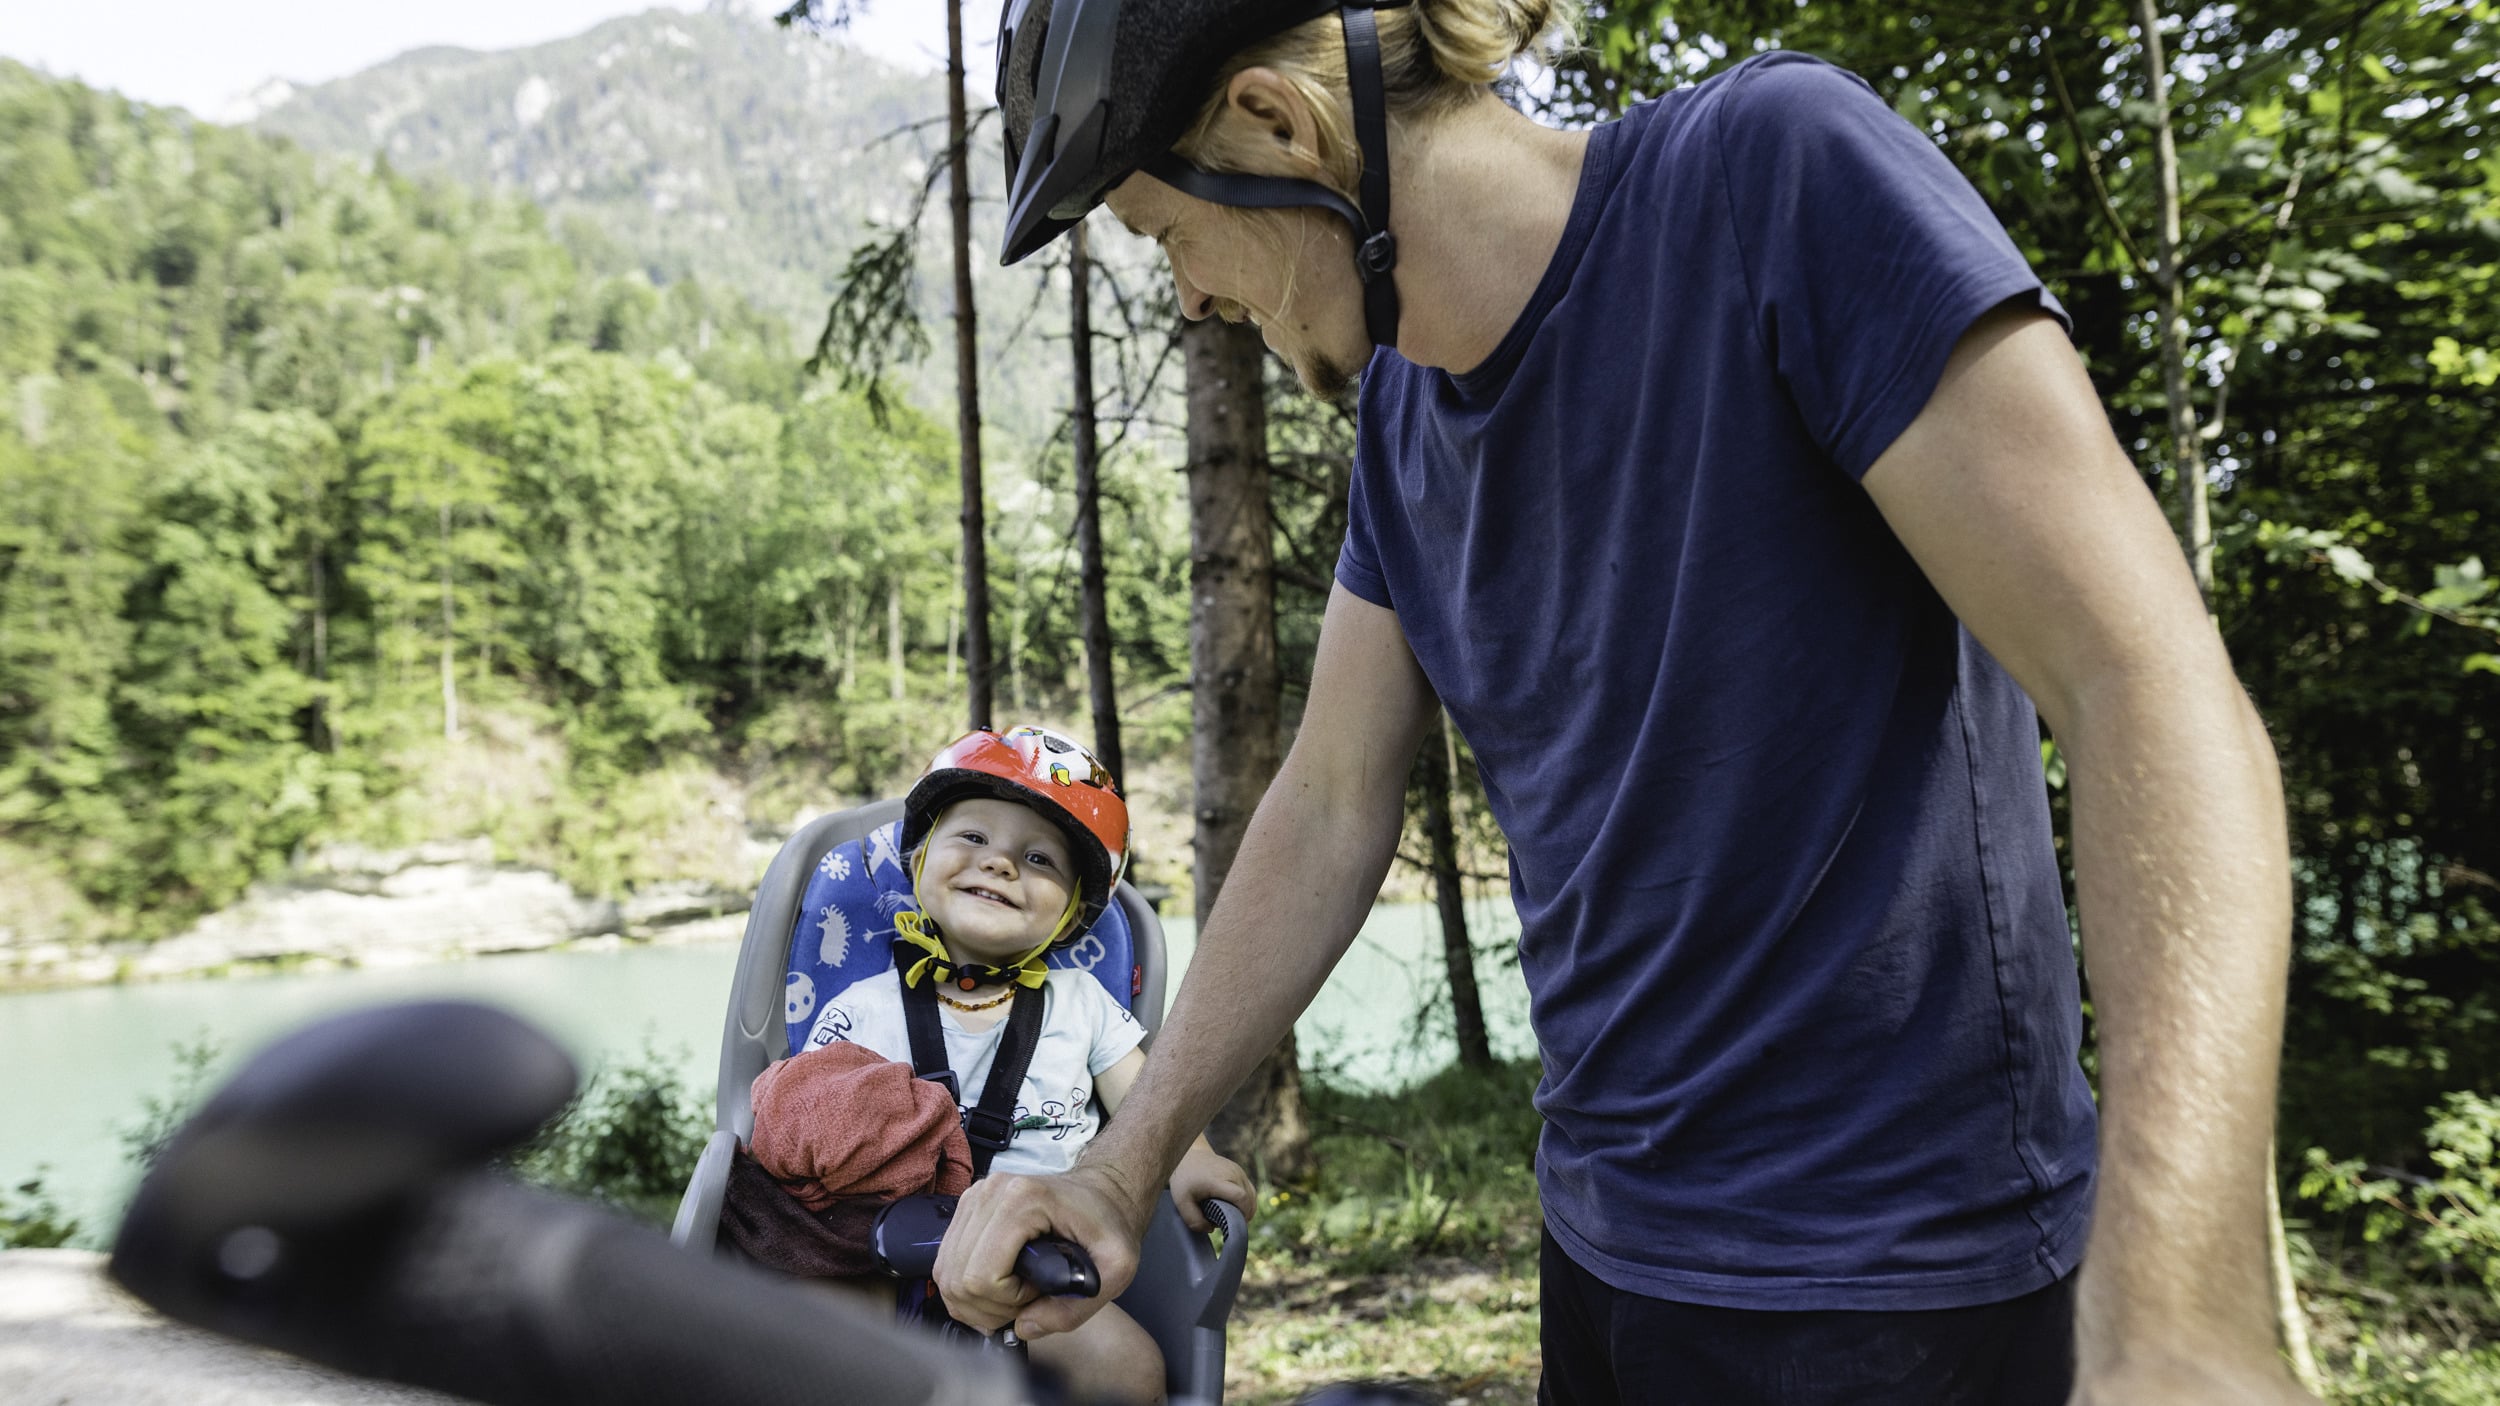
31,1220
2451,1377
630,1138
2450,1219
305,464
2407,1312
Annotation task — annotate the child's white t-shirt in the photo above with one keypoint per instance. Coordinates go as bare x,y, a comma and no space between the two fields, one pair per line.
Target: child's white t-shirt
1084,1032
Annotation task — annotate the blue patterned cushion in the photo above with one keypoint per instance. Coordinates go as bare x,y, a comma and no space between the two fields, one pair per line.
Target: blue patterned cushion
845,931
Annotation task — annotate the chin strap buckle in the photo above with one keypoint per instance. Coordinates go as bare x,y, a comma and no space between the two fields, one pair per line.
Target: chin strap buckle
1376,256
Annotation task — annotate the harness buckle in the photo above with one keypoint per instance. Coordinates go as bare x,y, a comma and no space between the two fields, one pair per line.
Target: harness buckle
946,1078
994,1131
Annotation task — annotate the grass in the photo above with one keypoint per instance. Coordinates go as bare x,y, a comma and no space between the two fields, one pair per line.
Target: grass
1412,1254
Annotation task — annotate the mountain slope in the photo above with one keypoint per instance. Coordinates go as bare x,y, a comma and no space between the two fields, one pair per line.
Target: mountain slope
709,144
720,146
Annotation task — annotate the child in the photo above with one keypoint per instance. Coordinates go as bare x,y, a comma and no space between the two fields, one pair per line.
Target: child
1015,842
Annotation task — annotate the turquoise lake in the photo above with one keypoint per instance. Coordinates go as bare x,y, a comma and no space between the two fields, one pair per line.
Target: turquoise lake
77,1067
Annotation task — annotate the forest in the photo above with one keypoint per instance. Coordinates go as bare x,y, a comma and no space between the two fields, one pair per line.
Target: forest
313,467
314,470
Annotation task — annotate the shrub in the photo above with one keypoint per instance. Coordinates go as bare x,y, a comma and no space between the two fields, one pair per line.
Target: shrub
629,1138
31,1220
2450,1220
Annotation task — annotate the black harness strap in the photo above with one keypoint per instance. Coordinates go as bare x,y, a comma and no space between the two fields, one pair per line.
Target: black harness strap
928,1038
990,1124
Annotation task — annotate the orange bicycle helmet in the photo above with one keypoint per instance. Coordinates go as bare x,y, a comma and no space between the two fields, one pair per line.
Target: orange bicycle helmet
1055,775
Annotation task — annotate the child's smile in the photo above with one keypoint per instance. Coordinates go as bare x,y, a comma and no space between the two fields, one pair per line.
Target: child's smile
996,880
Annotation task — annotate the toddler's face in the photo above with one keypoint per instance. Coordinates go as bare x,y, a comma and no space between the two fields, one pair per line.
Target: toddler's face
996,879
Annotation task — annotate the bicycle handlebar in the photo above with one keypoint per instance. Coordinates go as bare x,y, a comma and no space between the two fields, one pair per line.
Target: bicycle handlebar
328,1202
907,1234
332,1201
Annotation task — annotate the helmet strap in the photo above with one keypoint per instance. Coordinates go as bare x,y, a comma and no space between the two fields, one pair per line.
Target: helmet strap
1375,248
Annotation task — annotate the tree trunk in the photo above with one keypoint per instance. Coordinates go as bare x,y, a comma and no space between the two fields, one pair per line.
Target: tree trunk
451,691
849,665
319,575
1093,601
1433,768
2187,447
894,639
967,383
1234,685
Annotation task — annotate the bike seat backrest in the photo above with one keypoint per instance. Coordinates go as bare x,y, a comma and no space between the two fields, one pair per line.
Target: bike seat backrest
845,932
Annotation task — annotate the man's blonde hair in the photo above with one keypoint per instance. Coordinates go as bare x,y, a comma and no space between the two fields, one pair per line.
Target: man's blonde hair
1435,55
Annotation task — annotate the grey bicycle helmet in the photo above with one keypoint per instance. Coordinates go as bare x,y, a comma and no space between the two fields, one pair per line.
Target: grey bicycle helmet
1093,90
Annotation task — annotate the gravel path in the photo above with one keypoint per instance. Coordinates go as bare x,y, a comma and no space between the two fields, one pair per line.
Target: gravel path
70,1337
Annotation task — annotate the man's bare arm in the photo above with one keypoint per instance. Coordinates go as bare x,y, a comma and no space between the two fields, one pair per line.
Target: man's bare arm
1309,867
2017,502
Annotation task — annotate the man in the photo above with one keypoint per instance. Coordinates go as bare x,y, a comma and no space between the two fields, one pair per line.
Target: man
1726,475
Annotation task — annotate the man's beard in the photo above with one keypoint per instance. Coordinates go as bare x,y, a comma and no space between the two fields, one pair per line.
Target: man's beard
1322,376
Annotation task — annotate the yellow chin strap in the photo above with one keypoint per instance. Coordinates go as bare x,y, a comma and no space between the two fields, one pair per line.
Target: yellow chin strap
913,929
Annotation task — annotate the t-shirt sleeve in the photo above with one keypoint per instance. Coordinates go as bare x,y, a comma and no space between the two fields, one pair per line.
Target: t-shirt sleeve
1358,561
1116,1032
1866,254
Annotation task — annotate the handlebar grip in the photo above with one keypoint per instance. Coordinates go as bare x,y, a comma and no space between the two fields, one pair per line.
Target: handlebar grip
1059,1268
907,1234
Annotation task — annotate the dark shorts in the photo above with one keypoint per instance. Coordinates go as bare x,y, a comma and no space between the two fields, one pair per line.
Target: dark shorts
1604,1346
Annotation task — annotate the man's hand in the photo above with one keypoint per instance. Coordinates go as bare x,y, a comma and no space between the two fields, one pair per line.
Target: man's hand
1091,1204
1208,1175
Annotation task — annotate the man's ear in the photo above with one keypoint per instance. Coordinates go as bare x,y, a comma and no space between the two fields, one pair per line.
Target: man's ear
1260,100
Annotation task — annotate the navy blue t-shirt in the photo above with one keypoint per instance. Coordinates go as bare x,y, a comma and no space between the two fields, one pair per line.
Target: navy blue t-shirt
1790,917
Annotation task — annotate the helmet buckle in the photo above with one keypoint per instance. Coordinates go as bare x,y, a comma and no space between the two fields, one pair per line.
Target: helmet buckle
1376,256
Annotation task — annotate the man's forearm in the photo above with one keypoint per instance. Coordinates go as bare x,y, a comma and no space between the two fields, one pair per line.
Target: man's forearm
2183,887
1309,867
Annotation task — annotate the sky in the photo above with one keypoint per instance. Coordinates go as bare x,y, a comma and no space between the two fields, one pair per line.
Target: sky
206,54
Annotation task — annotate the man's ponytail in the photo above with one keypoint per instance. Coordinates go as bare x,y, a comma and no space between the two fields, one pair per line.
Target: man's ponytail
1472,42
